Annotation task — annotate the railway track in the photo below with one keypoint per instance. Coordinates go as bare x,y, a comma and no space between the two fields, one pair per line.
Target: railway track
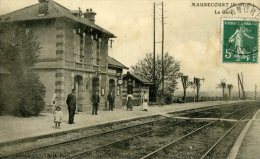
51,146
198,141
112,150
74,136
121,138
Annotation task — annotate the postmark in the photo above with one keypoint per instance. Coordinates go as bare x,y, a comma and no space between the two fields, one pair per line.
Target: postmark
240,34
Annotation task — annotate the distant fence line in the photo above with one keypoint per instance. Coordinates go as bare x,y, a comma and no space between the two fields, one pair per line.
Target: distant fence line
201,99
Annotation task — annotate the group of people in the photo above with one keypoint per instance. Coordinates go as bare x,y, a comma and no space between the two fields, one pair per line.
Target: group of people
130,98
71,102
95,99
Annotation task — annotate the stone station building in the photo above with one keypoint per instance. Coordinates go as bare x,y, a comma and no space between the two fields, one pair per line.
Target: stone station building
74,53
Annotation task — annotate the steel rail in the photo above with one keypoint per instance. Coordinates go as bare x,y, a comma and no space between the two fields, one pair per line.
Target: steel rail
85,137
98,134
196,130
118,141
106,132
228,131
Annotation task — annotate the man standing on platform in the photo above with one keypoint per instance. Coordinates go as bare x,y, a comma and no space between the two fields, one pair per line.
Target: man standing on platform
111,100
95,101
71,102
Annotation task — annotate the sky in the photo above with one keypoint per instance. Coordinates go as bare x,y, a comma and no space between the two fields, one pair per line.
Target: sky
192,35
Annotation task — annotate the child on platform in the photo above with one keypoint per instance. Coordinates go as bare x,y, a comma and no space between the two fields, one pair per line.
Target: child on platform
57,117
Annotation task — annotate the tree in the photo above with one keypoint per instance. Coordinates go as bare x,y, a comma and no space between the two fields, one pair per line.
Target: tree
185,84
144,67
184,80
197,83
230,87
19,48
223,86
23,93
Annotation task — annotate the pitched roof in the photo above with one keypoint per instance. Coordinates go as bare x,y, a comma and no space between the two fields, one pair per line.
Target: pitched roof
138,77
55,11
114,63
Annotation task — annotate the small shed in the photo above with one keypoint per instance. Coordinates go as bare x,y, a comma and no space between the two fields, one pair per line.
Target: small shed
136,85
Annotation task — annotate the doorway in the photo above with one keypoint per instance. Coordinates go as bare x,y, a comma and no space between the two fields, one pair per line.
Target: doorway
78,86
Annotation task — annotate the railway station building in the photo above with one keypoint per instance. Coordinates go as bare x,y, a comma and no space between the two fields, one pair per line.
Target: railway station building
74,53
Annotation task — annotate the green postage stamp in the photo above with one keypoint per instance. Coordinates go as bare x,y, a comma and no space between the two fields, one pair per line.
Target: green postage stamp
240,40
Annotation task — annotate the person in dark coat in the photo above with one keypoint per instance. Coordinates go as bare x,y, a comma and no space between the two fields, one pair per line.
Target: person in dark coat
111,100
71,102
95,101
129,101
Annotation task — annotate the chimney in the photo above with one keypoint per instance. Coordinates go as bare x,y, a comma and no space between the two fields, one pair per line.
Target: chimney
77,13
90,15
43,7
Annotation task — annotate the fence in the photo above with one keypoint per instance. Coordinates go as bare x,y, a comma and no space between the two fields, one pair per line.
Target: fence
192,99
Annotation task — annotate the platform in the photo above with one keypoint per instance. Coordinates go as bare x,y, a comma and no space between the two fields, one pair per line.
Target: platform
250,147
14,128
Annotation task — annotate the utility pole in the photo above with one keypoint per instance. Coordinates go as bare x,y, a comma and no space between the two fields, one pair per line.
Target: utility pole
162,94
255,91
154,79
242,86
238,86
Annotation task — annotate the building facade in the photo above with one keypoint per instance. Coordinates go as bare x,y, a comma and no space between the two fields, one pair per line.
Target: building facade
74,53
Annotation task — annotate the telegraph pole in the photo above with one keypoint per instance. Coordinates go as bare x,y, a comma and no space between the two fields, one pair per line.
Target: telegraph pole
255,91
154,79
240,81
238,86
242,86
162,94
154,42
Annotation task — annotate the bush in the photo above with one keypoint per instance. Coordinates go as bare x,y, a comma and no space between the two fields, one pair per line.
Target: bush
168,98
24,96
31,96
22,93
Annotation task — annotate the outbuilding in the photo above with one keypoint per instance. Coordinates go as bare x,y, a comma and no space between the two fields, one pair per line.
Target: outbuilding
136,85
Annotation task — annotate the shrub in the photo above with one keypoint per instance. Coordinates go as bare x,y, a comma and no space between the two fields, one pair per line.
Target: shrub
22,93
31,95
24,96
168,98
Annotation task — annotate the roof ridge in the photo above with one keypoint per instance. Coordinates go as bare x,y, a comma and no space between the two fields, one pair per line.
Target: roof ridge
56,11
54,5
138,77
118,63
116,60
69,11
19,9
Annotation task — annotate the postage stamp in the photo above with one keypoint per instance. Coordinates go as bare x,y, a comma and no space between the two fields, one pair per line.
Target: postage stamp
240,40
240,34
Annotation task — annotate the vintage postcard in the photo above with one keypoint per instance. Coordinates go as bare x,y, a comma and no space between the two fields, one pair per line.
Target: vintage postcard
129,79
